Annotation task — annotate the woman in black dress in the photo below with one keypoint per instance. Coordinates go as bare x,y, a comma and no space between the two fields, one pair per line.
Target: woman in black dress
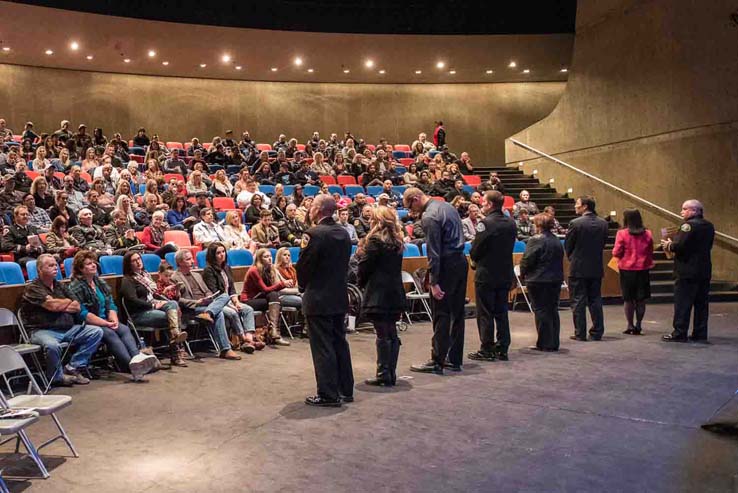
380,276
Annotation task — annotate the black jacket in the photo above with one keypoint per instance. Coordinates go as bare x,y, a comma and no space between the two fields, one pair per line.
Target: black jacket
492,250
380,277
214,280
543,260
322,269
585,241
691,246
134,295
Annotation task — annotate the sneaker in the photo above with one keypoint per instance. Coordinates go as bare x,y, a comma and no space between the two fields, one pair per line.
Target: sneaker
318,401
66,380
141,364
75,375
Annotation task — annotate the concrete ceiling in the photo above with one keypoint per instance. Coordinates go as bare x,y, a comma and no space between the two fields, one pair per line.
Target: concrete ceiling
184,47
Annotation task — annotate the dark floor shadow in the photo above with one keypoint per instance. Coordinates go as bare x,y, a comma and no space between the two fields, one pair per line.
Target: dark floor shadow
610,338
401,386
300,410
17,485
543,353
19,467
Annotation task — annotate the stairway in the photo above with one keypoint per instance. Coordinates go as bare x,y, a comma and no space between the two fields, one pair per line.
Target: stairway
662,275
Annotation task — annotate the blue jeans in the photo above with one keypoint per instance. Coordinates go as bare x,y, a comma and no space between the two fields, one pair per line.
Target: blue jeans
215,308
86,338
291,300
240,321
121,344
155,318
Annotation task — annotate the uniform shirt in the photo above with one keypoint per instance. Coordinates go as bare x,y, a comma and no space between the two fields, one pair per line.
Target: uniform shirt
492,248
692,247
38,317
443,235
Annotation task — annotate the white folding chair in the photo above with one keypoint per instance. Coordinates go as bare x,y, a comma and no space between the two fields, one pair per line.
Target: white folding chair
521,287
34,399
15,429
290,309
416,295
8,318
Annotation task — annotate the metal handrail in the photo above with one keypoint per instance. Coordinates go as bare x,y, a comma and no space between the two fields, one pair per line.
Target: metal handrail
614,187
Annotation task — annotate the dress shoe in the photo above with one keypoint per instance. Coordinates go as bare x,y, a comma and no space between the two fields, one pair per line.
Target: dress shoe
378,382
591,338
452,367
230,354
576,338
280,342
206,317
481,356
316,400
502,357
427,367
629,331
673,338
346,399
247,348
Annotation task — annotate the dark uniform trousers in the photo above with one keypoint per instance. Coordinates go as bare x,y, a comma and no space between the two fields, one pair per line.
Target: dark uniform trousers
331,356
448,313
688,292
491,311
545,299
586,292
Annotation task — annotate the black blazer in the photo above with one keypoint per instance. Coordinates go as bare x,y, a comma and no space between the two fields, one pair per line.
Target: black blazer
214,279
380,277
134,294
543,260
323,268
691,246
585,241
492,250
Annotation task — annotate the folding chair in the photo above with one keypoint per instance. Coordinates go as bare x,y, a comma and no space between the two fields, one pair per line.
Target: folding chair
416,294
288,326
16,428
26,339
520,289
8,318
34,399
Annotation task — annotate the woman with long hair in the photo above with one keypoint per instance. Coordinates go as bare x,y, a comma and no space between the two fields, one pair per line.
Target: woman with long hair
253,211
221,186
178,215
65,161
279,208
125,205
380,277
124,188
261,292
59,242
634,251
90,162
286,271
42,160
235,236
41,193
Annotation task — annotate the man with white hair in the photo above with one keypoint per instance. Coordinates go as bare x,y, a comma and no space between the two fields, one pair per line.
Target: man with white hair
90,236
691,247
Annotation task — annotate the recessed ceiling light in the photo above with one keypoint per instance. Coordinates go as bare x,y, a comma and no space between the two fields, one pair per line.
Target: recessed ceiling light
203,65
440,64
298,61
273,69
512,64
226,58
165,63
346,71
238,67
6,48
418,72
152,53
452,72
127,60
74,45
490,72
49,52
311,70
564,70
382,72
526,71
369,63
90,57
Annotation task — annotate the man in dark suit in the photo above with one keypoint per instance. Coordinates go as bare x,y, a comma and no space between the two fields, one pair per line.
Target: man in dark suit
321,276
585,241
491,254
691,247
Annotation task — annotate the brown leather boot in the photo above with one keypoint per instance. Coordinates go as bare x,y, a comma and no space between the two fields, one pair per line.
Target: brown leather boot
176,336
175,356
273,317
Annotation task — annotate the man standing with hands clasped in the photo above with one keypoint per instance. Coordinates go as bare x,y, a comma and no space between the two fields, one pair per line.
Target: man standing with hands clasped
447,267
322,278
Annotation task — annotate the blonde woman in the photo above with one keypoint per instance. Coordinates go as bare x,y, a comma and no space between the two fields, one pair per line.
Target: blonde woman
40,163
235,235
64,159
321,166
41,193
380,277
221,185
153,171
124,188
125,205
90,162
195,184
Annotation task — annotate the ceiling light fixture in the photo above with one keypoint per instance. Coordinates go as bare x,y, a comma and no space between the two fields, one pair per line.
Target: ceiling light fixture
452,72
274,69
226,58
440,64
74,45
346,71
165,63
127,60
526,71
238,67
49,52
369,63
6,48
152,53
490,72
310,70
418,72
382,72
512,64
203,65
90,57
298,61
564,70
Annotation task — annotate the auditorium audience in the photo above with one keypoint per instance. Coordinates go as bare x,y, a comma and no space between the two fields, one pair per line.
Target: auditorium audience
469,223
525,204
525,227
235,235
22,239
90,236
38,217
59,242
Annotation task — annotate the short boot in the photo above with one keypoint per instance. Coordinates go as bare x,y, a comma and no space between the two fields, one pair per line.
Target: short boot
394,356
384,355
175,356
273,317
176,336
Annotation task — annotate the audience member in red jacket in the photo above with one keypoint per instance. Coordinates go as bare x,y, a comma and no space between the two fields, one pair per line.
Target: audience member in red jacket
153,236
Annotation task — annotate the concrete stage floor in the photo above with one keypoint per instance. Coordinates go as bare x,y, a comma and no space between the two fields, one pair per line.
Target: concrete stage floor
618,415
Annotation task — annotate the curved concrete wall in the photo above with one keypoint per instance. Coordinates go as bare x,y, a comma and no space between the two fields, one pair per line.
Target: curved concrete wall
651,106
478,117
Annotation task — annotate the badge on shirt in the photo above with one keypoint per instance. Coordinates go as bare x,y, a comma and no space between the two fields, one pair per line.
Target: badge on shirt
686,228
356,223
480,227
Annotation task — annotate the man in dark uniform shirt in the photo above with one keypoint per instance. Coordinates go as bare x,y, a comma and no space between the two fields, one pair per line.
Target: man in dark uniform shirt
491,254
584,244
447,268
691,247
291,229
321,275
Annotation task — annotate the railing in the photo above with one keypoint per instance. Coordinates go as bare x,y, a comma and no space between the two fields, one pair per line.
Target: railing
628,194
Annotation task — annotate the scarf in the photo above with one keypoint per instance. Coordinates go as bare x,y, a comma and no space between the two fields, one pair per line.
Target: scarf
145,280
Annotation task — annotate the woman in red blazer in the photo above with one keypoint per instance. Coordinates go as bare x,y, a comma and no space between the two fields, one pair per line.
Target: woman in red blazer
634,251
153,236
261,292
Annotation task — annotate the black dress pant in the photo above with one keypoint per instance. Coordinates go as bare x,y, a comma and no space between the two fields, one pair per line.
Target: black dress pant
331,356
491,311
544,297
690,293
448,313
586,293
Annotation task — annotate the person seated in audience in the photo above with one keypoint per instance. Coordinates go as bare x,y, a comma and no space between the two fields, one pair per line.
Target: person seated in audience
27,152
235,235
243,200
41,162
243,178
239,317
127,206
153,171
172,191
390,173
525,204
371,177
464,164
38,217
105,200
195,145
321,166
178,217
525,227
6,134
153,236
61,208
137,178
53,181
343,221
100,215
285,272
458,191
394,197
357,205
285,176
120,236
53,317
410,177
207,230
264,233
557,228
221,185
306,175
279,209
90,236
470,222
64,162
21,180
297,195
90,162
52,146
217,155
175,164
124,187
261,291
108,175
460,205
82,140
476,199
97,308
291,228
442,187
201,203
453,170
494,183
141,139
80,184
195,184
59,242
425,182
196,298
21,239
363,224
280,143
427,145
417,149
43,197
75,199
303,209
252,214
264,175
165,285
98,139
143,215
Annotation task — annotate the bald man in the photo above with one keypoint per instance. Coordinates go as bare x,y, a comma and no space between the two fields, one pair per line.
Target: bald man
691,247
322,278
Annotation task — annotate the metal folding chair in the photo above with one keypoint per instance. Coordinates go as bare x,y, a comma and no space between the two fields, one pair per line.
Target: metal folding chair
288,326
8,318
416,295
521,288
15,428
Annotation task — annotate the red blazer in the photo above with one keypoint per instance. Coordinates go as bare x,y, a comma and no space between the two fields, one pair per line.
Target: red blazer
634,252
253,285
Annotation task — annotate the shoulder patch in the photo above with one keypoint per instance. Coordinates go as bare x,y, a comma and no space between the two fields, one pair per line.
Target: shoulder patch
686,227
304,240
480,227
